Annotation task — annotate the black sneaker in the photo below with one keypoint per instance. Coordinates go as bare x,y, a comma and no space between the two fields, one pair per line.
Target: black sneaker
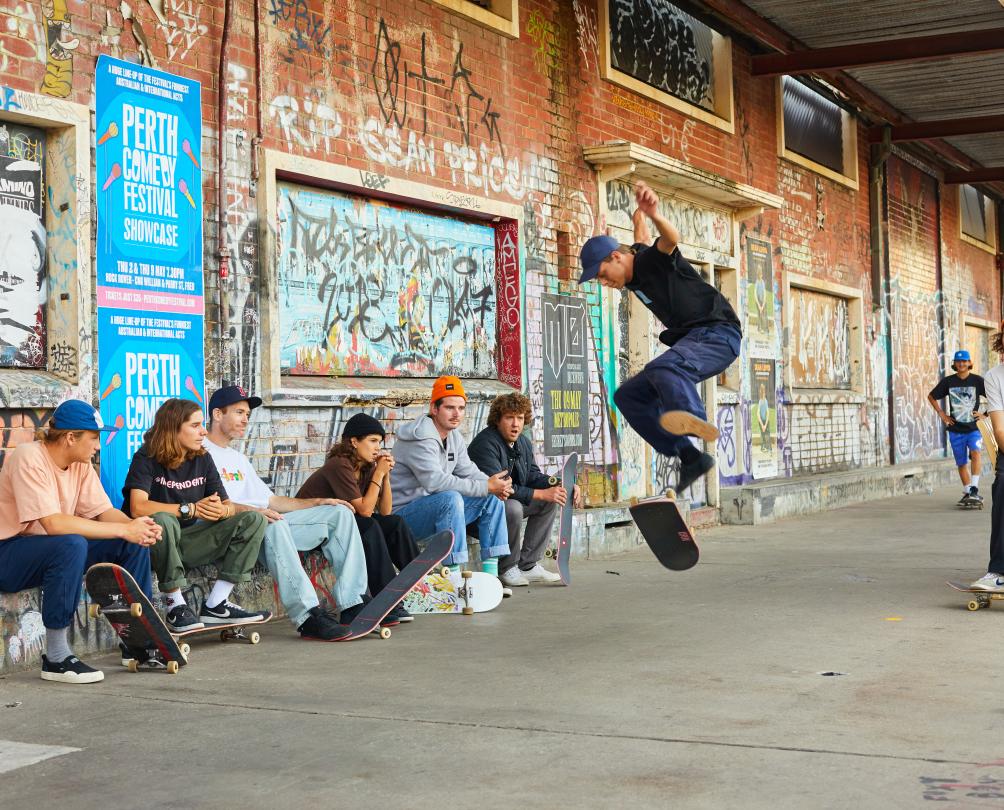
974,492
321,627
226,612
690,472
70,670
349,614
963,500
400,613
181,619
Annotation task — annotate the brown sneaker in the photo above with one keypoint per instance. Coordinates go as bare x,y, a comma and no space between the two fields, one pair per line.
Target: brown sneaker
682,423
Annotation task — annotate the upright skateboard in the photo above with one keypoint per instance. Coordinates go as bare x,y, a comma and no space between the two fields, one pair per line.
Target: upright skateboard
444,592
662,525
116,596
980,599
565,525
438,546
989,440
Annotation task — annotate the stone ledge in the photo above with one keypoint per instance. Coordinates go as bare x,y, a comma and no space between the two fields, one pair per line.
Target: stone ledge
753,504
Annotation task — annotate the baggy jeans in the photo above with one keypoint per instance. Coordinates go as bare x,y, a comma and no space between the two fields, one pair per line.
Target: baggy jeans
451,510
540,517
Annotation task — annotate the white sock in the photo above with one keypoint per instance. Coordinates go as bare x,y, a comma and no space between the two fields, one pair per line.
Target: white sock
174,598
221,590
976,480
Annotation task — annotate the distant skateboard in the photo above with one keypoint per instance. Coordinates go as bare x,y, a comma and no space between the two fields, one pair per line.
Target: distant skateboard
467,592
661,524
971,503
116,596
369,618
981,599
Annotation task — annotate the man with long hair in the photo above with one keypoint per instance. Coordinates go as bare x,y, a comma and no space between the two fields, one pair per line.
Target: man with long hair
56,521
294,525
536,497
174,480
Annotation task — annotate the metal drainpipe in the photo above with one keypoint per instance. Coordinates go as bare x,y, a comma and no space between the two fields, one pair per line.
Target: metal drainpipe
878,218
259,116
891,393
223,252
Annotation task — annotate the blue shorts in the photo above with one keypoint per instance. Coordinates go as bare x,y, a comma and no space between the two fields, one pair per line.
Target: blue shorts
962,443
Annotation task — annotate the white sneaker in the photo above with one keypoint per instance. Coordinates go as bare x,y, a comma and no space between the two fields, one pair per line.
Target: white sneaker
513,578
540,574
989,582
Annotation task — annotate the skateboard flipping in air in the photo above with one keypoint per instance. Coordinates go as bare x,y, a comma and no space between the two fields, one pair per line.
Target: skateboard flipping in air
662,525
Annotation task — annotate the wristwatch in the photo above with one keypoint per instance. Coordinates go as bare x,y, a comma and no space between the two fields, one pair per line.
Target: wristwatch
185,510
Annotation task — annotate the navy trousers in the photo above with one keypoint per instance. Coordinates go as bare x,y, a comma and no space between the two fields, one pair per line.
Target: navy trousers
669,383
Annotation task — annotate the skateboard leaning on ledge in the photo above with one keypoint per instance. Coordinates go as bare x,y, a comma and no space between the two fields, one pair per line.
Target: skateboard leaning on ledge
563,552
662,525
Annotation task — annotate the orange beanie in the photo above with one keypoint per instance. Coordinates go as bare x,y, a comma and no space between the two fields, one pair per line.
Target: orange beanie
448,387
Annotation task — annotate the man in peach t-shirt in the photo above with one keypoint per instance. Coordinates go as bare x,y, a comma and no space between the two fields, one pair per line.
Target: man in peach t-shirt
56,520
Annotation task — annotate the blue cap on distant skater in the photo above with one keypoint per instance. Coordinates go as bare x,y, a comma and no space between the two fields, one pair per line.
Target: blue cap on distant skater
962,354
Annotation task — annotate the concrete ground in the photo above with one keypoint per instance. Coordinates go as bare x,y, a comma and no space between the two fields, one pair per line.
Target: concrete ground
636,687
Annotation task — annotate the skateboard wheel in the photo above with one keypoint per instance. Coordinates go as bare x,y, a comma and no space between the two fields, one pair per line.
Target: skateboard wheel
133,665
670,494
467,611
384,632
550,554
254,638
444,571
973,605
185,650
136,609
466,574
94,611
172,667
633,501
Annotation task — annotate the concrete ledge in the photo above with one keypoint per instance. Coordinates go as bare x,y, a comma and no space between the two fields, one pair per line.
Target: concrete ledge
753,504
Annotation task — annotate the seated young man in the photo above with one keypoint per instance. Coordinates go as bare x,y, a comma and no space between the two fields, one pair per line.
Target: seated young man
174,480
56,521
537,497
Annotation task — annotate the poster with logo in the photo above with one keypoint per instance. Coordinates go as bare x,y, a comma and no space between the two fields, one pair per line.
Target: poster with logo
566,377
761,303
149,252
763,418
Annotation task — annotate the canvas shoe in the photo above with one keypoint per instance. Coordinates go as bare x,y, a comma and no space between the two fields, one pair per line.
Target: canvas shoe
181,619
683,423
513,578
70,670
540,574
227,612
989,582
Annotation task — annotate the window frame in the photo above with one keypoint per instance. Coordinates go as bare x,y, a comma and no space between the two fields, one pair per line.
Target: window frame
722,118
991,209
503,16
848,176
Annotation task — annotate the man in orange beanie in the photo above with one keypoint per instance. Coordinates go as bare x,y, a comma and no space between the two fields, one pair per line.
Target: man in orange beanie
437,486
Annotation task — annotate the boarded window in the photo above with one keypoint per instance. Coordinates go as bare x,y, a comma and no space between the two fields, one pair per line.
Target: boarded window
370,289
974,214
664,47
813,125
23,287
820,340
978,345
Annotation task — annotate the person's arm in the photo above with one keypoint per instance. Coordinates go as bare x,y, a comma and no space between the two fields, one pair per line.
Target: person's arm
424,463
938,393
648,204
386,502
111,524
642,234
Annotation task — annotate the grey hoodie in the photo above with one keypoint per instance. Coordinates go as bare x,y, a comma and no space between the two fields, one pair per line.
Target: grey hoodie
423,466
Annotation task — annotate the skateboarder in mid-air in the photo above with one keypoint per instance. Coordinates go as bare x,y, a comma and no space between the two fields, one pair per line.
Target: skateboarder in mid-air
662,402
963,390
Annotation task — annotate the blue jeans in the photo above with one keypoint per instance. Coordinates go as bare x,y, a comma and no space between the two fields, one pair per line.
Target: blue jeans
669,383
451,510
57,563
333,528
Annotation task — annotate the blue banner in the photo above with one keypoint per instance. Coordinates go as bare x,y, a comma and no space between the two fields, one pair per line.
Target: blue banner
149,252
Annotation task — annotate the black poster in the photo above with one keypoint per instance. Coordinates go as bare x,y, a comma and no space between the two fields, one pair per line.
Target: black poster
566,376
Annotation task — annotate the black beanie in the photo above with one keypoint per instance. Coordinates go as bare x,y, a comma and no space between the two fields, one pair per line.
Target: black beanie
362,424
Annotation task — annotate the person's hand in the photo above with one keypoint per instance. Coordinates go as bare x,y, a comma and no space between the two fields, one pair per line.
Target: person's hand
500,484
271,515
556,495
384,464
947,419
210,508
577,500
335,502
646,199
142,531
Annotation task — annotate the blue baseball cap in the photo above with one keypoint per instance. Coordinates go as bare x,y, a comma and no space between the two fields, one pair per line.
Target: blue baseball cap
75,414
596,249
962,354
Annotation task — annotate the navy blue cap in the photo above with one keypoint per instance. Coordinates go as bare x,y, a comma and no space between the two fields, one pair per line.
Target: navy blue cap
230,394
75,414
596,249
962,354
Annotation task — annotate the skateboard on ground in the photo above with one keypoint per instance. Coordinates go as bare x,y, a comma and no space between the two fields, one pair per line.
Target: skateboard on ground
662,525
980,599
971,503
369,618
467,592
116,596
228,632
989,440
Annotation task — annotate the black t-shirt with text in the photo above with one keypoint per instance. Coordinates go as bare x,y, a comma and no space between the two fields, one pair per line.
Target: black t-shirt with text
676,294
963,398
194,480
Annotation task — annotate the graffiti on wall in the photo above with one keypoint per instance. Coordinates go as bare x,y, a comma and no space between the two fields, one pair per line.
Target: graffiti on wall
371,289
820,340
60,45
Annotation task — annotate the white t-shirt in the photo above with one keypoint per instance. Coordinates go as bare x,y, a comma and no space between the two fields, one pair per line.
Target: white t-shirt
993,382
239,478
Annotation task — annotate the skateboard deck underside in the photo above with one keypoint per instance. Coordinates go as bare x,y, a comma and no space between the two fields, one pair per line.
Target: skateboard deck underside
452,593
661,524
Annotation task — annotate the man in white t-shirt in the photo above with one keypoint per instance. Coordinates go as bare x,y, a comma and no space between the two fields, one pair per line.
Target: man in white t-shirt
993,382
295,525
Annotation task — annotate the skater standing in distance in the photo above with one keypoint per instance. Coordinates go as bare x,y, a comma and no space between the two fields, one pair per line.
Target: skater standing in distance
662,402
963,390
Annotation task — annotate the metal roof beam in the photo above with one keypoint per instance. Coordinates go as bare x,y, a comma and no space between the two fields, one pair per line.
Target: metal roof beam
883,52
949,127
992,174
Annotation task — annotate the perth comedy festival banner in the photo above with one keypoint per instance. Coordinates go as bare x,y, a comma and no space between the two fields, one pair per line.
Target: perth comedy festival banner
149,252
